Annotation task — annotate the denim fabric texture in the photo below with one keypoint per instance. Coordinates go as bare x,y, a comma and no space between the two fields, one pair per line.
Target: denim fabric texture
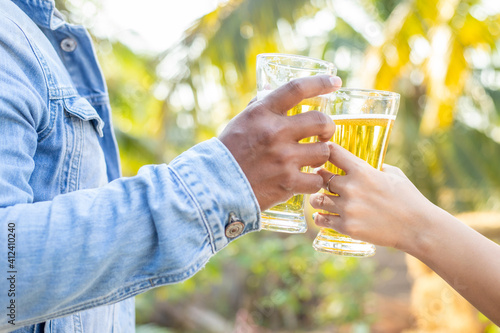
86,239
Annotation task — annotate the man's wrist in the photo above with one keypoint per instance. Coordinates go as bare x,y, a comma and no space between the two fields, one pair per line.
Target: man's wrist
221,190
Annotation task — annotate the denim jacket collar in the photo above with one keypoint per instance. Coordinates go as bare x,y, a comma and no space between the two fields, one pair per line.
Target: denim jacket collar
42,12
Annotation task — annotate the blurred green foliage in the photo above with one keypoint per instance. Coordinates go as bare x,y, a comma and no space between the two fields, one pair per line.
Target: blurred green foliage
442,57
279,281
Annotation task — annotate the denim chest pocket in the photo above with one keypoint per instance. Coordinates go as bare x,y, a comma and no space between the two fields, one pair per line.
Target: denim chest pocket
81,108
84,164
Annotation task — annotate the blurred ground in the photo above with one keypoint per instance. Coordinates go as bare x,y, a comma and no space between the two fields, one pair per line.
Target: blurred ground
392,292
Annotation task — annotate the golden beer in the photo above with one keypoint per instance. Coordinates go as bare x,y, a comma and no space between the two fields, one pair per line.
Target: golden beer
366,136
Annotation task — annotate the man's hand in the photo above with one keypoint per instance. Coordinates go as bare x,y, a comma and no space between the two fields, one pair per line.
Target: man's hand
265,141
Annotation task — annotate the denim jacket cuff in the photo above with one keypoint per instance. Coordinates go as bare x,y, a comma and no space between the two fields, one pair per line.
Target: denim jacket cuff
221,189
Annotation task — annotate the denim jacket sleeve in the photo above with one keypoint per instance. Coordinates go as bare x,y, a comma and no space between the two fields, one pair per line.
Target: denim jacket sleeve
98,246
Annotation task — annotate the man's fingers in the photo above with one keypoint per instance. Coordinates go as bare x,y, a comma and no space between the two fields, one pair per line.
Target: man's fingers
311,154
307,183
309,124
292,93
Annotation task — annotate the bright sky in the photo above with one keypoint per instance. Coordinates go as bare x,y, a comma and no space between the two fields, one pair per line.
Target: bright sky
154,25
149,25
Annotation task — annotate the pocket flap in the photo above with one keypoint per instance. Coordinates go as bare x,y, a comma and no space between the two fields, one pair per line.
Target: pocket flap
81,108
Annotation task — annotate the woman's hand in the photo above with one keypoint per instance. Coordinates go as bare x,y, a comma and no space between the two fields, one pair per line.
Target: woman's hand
385,208
380,207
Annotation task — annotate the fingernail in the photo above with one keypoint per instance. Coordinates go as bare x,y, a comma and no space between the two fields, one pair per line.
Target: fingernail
315,170
314,215
336,81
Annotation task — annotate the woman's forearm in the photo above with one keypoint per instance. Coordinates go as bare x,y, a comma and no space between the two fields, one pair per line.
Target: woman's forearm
465,259
385,208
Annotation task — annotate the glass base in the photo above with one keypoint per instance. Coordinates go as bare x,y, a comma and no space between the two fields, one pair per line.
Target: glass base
283,222
335,243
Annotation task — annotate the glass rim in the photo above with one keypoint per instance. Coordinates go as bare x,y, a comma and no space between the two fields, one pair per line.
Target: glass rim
361,92
324,63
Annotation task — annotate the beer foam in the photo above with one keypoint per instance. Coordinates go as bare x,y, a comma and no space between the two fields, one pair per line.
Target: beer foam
362,116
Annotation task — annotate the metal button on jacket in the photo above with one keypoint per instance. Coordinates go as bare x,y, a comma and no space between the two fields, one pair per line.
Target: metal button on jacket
235,226
68,44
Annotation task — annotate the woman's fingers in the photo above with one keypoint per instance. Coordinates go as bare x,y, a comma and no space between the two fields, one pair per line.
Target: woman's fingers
331,182
343,159
329,221
325,202
331,218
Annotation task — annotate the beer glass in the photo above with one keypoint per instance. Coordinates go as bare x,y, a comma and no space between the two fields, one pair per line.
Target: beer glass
363,121
273,71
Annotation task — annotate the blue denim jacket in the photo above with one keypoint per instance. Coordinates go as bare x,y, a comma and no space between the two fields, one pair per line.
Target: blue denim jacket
77,241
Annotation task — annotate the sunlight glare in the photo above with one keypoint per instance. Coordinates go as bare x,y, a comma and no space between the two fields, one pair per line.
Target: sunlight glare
154,25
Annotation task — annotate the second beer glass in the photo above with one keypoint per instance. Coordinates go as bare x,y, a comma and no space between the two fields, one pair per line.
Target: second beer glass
273,71
364,120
